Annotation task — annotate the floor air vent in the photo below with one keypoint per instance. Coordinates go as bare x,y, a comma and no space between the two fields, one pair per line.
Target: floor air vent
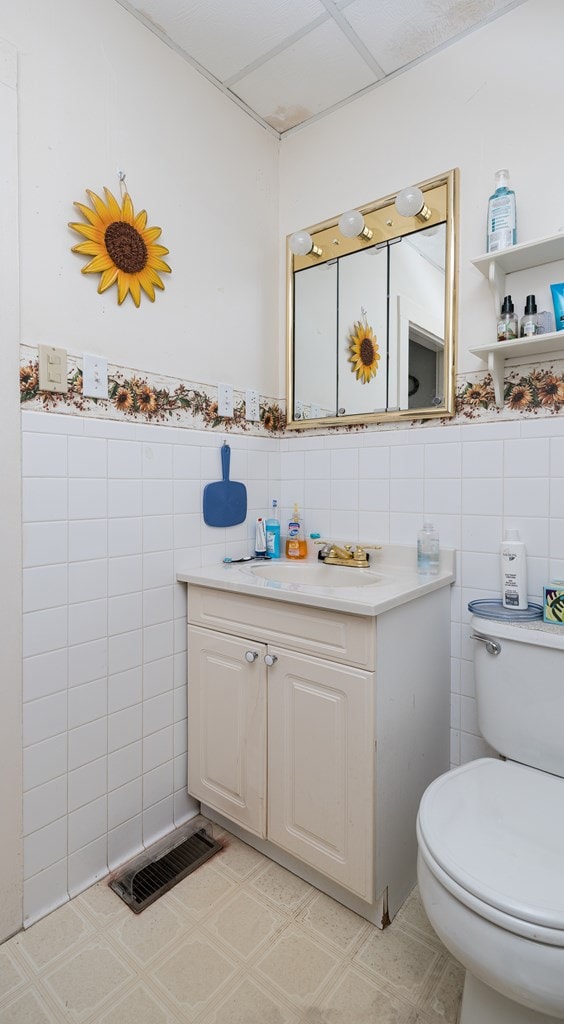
141,886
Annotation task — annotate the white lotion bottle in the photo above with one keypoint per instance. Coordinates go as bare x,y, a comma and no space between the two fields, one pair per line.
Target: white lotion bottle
513,572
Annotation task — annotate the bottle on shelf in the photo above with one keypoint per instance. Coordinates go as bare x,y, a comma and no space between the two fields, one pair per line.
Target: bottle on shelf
529,320
507,324
502,215
296,544
428,552
273,532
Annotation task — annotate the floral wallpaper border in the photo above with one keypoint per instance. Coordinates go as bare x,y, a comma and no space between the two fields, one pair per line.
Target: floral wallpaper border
148,398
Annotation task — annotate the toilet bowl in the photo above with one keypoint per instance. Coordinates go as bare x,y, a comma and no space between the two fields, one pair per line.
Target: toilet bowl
491,878
491,842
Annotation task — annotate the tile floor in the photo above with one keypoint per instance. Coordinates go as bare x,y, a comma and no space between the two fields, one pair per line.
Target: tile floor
240,941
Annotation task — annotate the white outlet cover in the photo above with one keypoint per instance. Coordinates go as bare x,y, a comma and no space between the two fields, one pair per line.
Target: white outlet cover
252,410
225,399
94,376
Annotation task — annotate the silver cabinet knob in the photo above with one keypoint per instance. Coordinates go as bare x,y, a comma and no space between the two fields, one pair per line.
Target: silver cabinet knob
269,659
251,656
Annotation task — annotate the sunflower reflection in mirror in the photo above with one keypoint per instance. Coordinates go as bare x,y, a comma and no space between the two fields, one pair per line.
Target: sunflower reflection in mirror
365,354
122,247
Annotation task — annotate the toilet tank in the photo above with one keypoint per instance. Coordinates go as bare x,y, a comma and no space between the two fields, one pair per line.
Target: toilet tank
520,691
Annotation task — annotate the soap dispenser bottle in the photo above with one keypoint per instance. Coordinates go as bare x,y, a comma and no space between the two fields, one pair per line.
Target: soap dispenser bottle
296,544
502,215
507,324
529,320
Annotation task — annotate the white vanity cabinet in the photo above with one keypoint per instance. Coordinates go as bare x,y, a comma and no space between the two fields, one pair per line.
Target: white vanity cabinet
312,734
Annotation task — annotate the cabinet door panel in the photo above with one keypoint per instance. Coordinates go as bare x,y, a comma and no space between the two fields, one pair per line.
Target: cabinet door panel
321,767
227,727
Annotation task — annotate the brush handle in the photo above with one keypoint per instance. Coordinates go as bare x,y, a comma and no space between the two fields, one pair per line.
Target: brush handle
225,460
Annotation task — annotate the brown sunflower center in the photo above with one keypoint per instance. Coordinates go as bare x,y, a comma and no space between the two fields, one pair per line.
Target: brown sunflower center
366,352
125,247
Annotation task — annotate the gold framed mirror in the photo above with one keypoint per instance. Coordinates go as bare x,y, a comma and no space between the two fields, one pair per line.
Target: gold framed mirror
371,319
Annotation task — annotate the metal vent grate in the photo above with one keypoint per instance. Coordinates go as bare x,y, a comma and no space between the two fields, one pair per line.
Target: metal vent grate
139,888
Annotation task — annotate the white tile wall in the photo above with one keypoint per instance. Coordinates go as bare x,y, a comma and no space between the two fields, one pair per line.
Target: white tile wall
111,510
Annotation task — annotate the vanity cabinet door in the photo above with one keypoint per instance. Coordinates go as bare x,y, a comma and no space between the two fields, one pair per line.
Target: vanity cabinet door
227,726
321,766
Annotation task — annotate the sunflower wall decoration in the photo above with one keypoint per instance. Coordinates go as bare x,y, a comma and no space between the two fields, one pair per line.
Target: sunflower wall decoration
365,354
122,247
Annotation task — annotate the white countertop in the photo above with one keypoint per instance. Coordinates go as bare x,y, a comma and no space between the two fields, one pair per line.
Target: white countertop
394,569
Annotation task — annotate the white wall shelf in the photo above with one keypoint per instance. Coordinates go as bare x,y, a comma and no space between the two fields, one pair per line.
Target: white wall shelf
496,354
495,266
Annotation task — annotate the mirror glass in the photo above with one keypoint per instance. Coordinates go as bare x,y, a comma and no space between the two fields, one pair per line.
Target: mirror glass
371,320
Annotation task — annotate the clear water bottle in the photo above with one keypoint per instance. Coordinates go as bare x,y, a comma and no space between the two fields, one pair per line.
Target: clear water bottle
428,550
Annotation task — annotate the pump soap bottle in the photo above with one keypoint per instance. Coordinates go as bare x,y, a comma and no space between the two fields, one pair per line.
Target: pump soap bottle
296,544
502,215
507,324
530,320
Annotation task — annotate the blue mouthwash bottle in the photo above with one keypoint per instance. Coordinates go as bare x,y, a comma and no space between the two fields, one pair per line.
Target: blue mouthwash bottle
502,215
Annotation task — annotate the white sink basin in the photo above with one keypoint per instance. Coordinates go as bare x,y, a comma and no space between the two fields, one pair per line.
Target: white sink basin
316,575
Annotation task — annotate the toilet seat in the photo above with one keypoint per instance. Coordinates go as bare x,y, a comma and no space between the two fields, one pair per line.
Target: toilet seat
488,832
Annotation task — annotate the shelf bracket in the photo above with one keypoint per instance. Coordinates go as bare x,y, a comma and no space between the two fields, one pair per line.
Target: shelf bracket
496,278
496,363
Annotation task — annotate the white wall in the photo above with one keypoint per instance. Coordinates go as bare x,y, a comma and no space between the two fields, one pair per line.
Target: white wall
10,545
115,96
491,100
111,511
98,91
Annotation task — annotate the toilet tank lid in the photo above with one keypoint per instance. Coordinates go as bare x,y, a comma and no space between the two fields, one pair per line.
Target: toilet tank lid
496,828
543,634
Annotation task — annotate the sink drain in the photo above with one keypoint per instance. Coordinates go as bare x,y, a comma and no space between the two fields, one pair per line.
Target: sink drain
142,886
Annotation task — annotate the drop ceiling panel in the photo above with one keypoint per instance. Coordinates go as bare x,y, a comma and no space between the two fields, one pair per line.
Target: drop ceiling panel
225,36
398,32
286,61
316,72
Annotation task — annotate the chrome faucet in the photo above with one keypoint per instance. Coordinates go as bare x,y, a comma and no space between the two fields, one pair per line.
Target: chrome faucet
352,555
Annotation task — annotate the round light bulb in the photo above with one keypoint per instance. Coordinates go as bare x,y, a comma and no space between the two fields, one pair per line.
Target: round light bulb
410,201
301,243
351,224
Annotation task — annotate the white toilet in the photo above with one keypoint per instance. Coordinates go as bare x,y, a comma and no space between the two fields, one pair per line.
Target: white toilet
491,834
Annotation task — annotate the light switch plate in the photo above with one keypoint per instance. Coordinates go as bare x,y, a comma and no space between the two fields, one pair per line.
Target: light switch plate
252,411
225,399
52,368
94,376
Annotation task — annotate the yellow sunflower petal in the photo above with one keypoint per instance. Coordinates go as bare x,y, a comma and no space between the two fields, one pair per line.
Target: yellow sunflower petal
100,207
95,234
123,285
153,277
157,264
157,250
140,221
135,289
127,209
112,204
98,264
90,215
149,234
147,286
89,248
107,279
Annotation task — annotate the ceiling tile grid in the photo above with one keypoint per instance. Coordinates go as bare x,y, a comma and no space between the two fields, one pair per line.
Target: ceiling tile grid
289,61
315,73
